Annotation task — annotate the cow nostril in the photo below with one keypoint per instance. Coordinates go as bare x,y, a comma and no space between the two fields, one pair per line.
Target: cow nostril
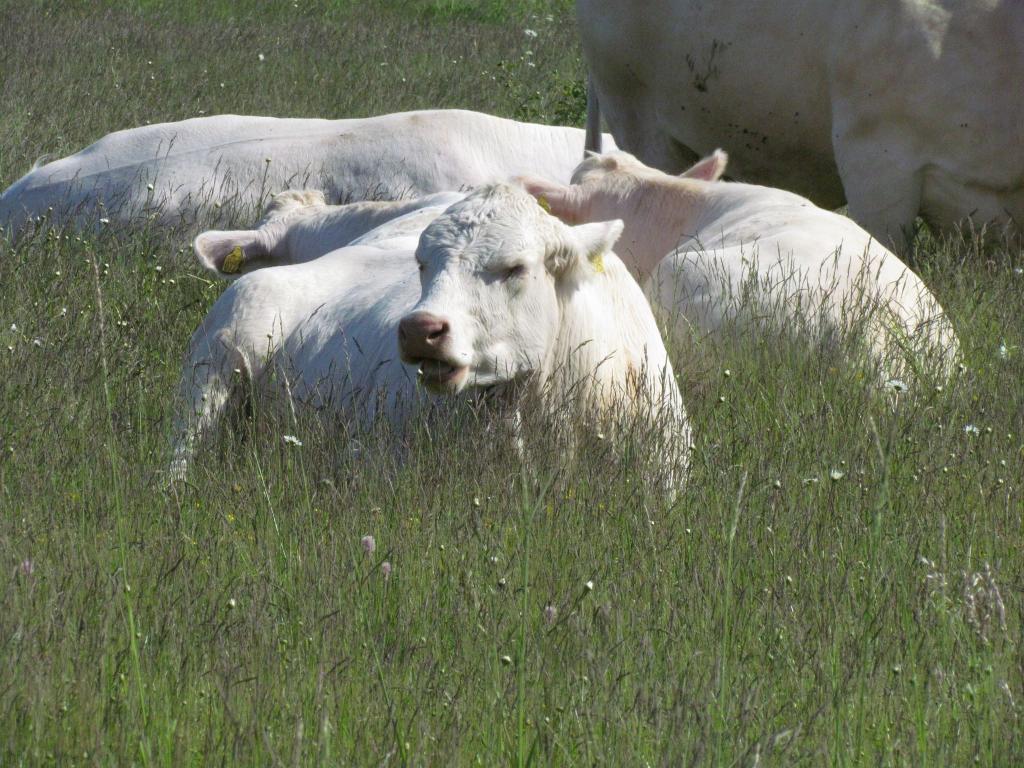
438,333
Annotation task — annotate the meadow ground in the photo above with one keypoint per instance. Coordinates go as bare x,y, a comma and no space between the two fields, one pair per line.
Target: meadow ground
841,584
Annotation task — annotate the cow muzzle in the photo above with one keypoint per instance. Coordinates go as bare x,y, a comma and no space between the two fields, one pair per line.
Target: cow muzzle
424,340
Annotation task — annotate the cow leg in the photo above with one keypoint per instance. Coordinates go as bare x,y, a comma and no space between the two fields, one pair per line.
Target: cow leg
882,186
215,370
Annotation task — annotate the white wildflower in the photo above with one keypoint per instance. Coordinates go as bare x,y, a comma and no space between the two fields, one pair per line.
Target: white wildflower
970,429
896,385
291,440
530,32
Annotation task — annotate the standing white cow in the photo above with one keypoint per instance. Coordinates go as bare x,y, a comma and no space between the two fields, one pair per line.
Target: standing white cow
901,107
496,295
710,251
173,171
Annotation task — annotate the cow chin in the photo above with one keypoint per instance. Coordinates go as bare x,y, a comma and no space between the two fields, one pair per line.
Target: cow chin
442,378
491,373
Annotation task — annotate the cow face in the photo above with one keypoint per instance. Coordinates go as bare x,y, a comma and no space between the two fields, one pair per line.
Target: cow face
492,271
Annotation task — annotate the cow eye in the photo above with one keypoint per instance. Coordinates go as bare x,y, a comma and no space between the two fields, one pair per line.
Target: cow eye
512,272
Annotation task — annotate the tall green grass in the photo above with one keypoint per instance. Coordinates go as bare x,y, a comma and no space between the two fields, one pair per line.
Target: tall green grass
839,584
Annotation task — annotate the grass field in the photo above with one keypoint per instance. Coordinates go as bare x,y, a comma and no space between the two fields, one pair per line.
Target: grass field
841,583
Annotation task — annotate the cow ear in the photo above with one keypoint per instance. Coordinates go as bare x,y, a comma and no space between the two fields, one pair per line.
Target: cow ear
557,199
229,254
590,243
598,238
711,168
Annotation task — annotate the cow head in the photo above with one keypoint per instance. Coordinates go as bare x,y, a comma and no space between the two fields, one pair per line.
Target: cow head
655,206
493,268
231,253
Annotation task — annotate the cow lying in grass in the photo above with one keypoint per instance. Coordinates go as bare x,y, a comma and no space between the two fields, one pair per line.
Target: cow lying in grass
175,171
494,295
711,252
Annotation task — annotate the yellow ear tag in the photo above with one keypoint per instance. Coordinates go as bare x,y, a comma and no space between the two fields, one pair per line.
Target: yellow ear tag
597,262
543,203
233,261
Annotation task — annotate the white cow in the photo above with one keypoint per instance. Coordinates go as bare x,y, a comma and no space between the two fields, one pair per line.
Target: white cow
507,298
174,171
900,107
298,225
710,251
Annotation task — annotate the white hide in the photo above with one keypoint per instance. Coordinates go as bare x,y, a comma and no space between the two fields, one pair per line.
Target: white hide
173,171
708,252
901,108
328,327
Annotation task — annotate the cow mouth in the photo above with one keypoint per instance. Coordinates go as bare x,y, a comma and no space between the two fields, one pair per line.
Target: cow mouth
441,377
